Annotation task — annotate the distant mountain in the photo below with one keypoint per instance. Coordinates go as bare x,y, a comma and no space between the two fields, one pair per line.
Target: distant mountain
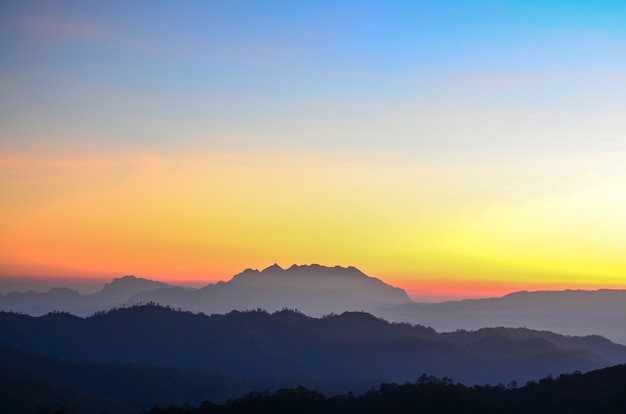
36,303
120,289
353,346
116,293
571,312
315,290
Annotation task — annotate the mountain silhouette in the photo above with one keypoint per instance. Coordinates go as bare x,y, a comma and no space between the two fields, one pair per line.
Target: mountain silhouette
318,290
32,382
120,289
599,391
353,346
116,293
315,290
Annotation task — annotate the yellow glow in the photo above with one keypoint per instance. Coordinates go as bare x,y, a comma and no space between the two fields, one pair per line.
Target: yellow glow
207,216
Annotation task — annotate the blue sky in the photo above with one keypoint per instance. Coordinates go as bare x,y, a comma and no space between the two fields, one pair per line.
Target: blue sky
250,63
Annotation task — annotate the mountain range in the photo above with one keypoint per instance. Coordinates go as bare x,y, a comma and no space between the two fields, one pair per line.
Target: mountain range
313,289
319,290
139,342
224,355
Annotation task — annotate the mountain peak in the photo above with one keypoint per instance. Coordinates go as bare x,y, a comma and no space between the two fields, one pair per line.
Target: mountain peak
327,271
132,283
306,270
273,268
128,279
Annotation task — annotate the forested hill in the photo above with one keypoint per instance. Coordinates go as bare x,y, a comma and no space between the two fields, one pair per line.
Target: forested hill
288,344
601,391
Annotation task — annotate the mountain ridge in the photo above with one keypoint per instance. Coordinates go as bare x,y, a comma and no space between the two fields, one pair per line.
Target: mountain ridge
318,290
570,312
287,343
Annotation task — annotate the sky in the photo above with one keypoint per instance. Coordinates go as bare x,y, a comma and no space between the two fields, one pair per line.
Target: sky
455,149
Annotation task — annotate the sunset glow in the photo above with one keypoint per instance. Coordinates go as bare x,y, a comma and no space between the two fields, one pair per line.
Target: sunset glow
489,160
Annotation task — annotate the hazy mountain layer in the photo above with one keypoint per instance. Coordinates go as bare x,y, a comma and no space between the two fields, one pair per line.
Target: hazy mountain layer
116,293
571,312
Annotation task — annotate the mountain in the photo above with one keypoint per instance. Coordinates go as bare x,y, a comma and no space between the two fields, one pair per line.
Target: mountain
120,289
37,303
318,290
353,346
570,312
313,289
116,293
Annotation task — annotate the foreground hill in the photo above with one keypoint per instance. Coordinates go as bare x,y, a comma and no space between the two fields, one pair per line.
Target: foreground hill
36,383
315,290
600,391
287,344
30,380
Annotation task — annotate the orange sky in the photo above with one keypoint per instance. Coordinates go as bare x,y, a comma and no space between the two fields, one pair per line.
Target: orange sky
434,230
455,152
